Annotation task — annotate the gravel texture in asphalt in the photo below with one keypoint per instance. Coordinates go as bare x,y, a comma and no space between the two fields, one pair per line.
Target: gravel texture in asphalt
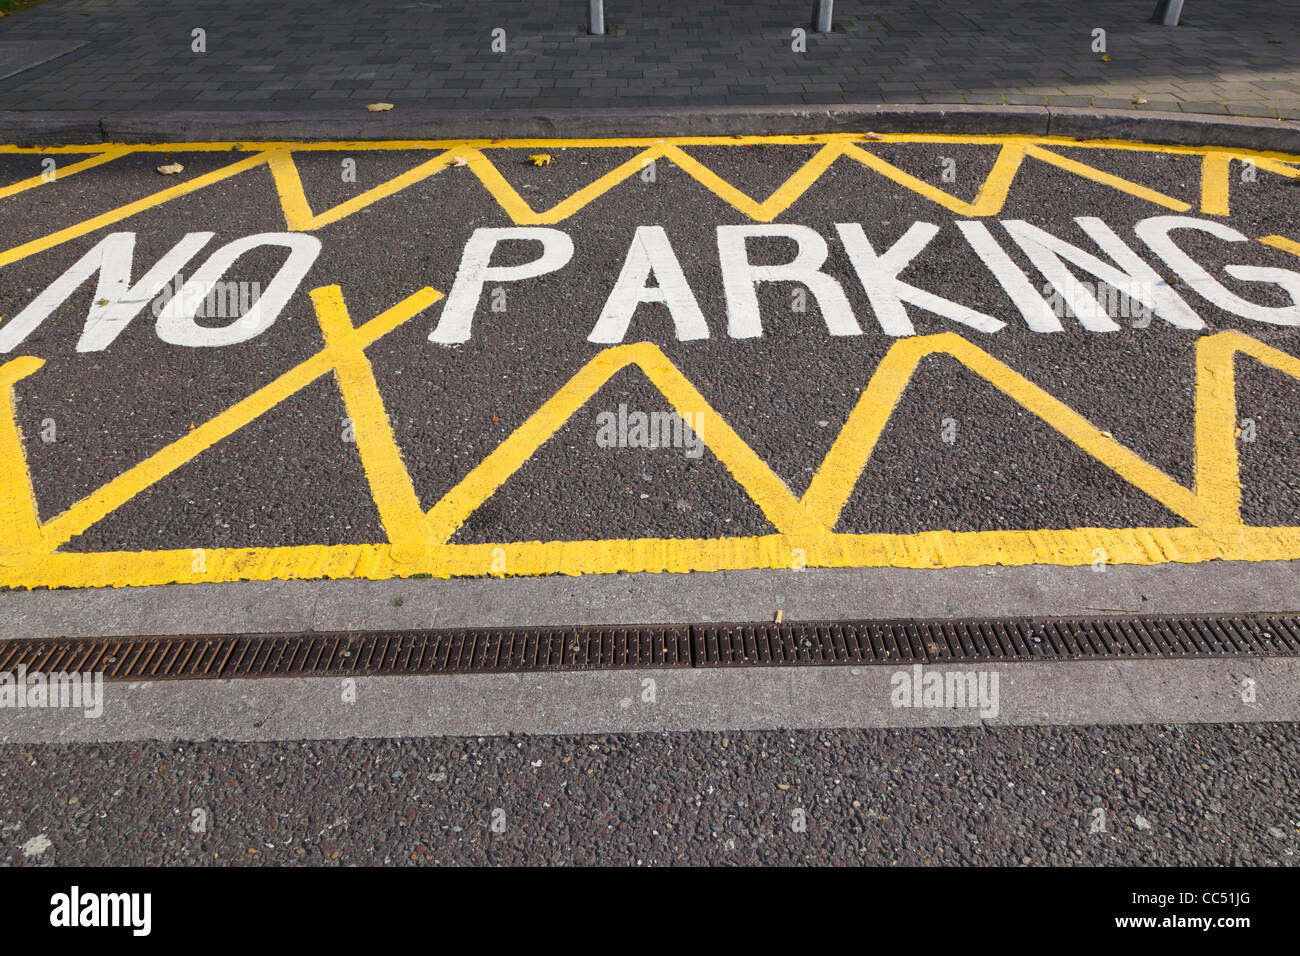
1165,795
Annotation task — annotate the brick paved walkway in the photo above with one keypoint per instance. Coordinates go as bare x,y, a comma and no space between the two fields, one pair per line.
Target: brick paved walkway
308,54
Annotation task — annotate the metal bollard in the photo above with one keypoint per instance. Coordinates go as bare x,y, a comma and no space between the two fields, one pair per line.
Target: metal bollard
1167,12
596,17
822,15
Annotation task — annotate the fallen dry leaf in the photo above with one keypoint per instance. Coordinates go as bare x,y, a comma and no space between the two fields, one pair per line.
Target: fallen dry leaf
1139,101
1105,58
540,159
171,169
460,161
379,107
872,136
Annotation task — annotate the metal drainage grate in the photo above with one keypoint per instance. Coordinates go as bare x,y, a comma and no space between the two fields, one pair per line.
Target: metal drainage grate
370,652
1015,639
613,648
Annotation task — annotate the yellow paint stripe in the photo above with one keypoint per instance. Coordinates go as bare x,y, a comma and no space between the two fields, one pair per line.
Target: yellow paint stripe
1283,243
1214,183
760,483
1217,470
62,173
992,195
829,490
163,462
751,472
20,534
390,482
930,549
1107,179
130,209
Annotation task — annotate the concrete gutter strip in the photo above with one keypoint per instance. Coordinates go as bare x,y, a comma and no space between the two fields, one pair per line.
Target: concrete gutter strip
813,594
651,701
78,127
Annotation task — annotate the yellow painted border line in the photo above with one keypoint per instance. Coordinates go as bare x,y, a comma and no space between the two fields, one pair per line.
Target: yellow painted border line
931,549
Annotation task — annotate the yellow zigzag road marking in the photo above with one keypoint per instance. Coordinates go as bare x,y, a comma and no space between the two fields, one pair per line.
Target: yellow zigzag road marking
1107,179
126,486
418,541
992,195
763,487
830,488
990,201
779,201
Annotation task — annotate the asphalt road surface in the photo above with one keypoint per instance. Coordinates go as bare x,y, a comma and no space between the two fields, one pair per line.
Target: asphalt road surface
1196,795
410,362
907,390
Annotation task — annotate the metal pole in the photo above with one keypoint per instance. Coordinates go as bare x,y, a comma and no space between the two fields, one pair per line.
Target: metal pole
596,17
822,15
1167,12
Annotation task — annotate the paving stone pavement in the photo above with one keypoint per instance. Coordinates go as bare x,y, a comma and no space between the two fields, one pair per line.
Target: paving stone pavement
304,54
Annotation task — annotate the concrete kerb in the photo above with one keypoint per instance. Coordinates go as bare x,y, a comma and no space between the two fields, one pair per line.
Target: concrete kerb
50,128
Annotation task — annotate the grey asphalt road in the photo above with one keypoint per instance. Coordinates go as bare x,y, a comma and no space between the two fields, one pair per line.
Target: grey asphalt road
786,392
1219,795
955,456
